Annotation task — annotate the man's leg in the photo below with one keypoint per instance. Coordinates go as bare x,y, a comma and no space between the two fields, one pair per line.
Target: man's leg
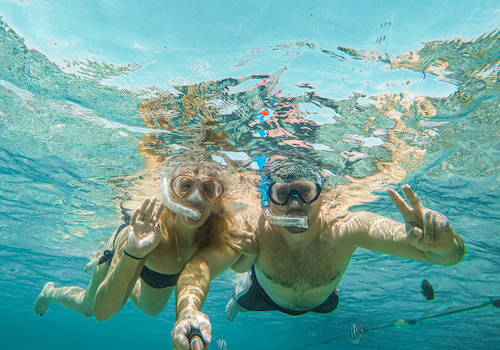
232,307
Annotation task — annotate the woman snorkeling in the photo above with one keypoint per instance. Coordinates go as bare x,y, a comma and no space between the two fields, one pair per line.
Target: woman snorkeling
143,260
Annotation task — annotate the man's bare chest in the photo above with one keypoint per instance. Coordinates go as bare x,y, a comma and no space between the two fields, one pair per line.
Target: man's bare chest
302,268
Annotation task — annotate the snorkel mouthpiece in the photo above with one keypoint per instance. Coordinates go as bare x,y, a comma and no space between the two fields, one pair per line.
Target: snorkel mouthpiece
295,221
175,207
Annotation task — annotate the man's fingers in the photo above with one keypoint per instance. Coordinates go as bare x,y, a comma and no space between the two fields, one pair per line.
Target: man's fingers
414,236
429,229
179,336
192,331
195,339
399,203
411,197
234,246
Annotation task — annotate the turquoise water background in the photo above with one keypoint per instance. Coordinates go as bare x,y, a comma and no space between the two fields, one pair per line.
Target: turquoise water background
73,75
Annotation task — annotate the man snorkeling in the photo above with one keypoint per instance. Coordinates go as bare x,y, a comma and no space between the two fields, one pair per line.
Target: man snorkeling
302,253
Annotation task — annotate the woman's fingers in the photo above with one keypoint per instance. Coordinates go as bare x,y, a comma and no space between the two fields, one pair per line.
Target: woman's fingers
441,222
143,208
149,212
146,213
134,216
157,213
144,221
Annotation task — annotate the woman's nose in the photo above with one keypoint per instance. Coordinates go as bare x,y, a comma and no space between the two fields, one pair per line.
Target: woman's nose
195,196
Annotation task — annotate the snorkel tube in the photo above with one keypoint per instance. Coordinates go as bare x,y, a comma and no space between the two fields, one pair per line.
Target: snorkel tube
175,207
295,221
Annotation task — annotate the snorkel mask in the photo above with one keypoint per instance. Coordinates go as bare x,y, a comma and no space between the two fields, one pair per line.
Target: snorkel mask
281,194
176,208
294,221
276,187
182,185
204,178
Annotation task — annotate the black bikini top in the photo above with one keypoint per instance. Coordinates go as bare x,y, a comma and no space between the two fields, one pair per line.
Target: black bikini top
158,280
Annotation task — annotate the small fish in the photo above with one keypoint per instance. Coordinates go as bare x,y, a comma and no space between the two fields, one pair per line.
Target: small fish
356,333
427,290
495,302
221,344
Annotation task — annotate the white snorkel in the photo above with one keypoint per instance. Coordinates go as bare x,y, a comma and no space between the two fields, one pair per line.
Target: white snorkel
295,221
175,207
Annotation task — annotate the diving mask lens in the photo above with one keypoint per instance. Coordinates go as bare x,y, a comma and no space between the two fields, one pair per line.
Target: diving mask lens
183,184
281,193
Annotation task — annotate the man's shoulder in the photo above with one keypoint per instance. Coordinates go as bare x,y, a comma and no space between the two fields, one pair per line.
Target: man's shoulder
333,219
349,216
349,223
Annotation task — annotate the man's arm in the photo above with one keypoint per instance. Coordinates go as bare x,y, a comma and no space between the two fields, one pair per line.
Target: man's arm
425,236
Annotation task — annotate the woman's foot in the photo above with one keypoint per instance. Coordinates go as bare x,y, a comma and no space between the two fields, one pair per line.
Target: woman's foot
44,299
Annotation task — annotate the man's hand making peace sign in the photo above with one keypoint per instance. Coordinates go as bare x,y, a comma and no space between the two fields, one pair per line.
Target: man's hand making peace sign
426,229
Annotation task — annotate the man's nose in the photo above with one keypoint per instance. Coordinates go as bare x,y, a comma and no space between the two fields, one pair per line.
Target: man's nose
295,202
195,196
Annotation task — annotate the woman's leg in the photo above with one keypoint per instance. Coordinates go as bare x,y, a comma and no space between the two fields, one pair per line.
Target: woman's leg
74,298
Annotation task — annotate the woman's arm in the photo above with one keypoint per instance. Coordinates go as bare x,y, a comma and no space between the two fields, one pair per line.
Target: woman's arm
194,281
114,291
192,290
142,236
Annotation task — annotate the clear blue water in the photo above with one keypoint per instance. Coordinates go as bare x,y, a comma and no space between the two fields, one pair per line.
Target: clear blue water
341,86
